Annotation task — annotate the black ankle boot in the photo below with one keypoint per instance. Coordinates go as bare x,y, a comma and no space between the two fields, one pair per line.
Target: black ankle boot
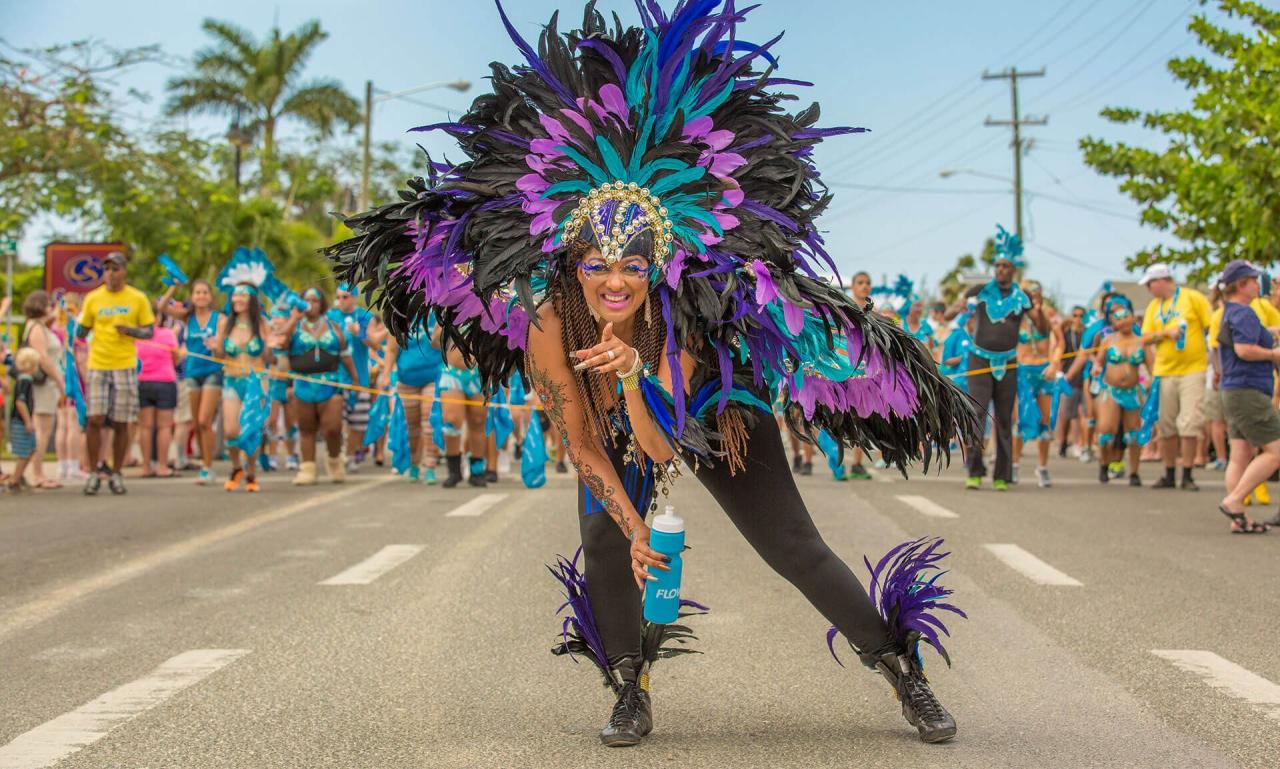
477,477
919,706
632,716
454,463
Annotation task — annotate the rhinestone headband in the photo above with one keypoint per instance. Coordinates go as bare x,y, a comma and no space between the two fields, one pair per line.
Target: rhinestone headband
614,236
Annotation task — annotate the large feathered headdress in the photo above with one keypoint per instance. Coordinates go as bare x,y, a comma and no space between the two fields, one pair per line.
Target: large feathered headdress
671,138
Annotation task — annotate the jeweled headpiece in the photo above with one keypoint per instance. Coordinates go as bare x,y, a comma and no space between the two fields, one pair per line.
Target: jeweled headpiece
616,214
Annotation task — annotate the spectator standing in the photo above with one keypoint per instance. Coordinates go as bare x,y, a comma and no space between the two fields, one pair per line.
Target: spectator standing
157,399
1069,411
1249,357
47,382
22,428
114,317
1175,322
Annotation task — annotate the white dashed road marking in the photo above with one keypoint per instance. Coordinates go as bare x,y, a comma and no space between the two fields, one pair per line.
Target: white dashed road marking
1228,676
1031,567
375,565
926,506
476,506
54,740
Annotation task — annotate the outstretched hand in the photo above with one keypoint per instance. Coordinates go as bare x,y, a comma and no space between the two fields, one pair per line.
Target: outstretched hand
610,355
643,556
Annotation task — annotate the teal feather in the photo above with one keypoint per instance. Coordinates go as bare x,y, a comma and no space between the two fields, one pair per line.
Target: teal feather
637,154
715,101
661,164
571,185
676,180
611,159
596,172
704,216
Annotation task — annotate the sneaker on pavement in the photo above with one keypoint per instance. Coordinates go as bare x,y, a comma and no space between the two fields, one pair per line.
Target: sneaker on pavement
1042,477
1218,465
414,475
429,476
205,477
1000,486
859,473
973,482
291,463
116,483
92,484
1134,480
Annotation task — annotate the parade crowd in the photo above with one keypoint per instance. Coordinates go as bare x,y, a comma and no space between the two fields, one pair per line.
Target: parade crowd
162,385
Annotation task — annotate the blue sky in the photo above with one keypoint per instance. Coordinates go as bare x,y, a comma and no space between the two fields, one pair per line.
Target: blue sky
910,71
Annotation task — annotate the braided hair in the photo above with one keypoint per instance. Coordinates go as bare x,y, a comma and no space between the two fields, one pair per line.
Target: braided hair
578,330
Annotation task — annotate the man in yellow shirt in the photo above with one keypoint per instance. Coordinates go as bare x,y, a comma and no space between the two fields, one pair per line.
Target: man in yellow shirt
114,316
1175,323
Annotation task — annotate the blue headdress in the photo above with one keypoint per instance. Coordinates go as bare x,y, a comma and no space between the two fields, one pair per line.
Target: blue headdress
1009,247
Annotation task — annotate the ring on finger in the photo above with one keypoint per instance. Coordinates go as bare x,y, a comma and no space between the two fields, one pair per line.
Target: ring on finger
612,354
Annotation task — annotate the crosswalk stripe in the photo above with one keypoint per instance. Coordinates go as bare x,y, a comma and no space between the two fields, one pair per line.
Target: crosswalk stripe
1226,675
1031,567
375,565
476,506
926,506
54,740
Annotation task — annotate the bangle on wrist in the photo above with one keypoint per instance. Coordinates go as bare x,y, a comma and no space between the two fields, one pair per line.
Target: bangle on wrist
636,366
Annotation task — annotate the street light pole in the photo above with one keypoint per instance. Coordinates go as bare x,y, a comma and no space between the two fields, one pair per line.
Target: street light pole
368,126
369,100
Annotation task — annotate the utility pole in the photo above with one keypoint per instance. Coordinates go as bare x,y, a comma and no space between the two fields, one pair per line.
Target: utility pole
460,86
368,127
1012,74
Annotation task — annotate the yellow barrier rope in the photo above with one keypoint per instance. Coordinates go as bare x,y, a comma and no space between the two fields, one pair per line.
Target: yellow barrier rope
272,373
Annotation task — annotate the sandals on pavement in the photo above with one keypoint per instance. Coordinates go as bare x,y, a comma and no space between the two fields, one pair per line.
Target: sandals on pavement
1240,523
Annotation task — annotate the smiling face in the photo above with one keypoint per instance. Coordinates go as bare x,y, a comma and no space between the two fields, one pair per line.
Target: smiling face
239,302
1122,320
615,292
201,296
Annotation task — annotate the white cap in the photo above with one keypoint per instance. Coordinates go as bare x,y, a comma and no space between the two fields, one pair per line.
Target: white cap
1155,272
668,522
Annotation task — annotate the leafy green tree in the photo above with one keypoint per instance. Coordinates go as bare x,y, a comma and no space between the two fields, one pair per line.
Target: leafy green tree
59,131
1214,186
262,81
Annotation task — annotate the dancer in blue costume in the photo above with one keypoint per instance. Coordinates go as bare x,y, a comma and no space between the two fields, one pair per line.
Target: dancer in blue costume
1039,364
998,309
1119,360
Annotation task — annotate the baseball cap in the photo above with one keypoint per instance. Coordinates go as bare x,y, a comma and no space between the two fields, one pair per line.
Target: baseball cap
1238,269
1155,272
118,257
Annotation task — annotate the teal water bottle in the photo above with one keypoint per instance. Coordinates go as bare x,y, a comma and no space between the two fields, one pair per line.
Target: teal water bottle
662,596
1181,344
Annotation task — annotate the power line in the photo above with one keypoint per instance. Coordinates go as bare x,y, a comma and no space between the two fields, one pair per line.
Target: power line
926,190
1016,121
1090,59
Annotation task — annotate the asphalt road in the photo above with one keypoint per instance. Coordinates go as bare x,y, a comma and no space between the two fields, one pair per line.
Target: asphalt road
187,627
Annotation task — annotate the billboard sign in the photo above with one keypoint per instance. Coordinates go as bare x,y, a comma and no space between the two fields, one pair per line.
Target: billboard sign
75,268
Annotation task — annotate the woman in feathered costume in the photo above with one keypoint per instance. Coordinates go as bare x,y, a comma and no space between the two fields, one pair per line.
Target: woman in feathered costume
634,231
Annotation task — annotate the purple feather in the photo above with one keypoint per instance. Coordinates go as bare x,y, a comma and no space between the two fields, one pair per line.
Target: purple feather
530,56
580,623
609,55
905,590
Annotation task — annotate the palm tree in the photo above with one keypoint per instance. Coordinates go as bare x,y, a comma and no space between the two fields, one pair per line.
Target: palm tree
260,82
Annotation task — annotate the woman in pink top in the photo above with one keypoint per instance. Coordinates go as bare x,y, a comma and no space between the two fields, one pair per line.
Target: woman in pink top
157,398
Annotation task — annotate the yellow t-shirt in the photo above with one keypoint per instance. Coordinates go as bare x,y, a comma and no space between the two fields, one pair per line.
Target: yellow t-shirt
1266,312
1186,305
104,310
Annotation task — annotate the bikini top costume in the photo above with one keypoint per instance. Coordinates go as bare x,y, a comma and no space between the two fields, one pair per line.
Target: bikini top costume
1135,358
670,139
253,348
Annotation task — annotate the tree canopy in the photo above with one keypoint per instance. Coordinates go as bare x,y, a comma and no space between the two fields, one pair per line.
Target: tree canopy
1215,184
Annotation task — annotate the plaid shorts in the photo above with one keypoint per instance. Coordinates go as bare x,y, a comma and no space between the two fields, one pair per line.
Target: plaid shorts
113,393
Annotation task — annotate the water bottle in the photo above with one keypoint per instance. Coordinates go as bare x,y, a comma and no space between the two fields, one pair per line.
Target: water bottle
662,596
1181,342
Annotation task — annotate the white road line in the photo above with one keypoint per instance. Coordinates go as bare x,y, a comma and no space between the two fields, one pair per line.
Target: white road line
926,506
1031,567
375,565
1226,675
58,599
474,507
54,740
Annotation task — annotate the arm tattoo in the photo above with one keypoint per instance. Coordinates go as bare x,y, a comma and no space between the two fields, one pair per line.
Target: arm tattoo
551,394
